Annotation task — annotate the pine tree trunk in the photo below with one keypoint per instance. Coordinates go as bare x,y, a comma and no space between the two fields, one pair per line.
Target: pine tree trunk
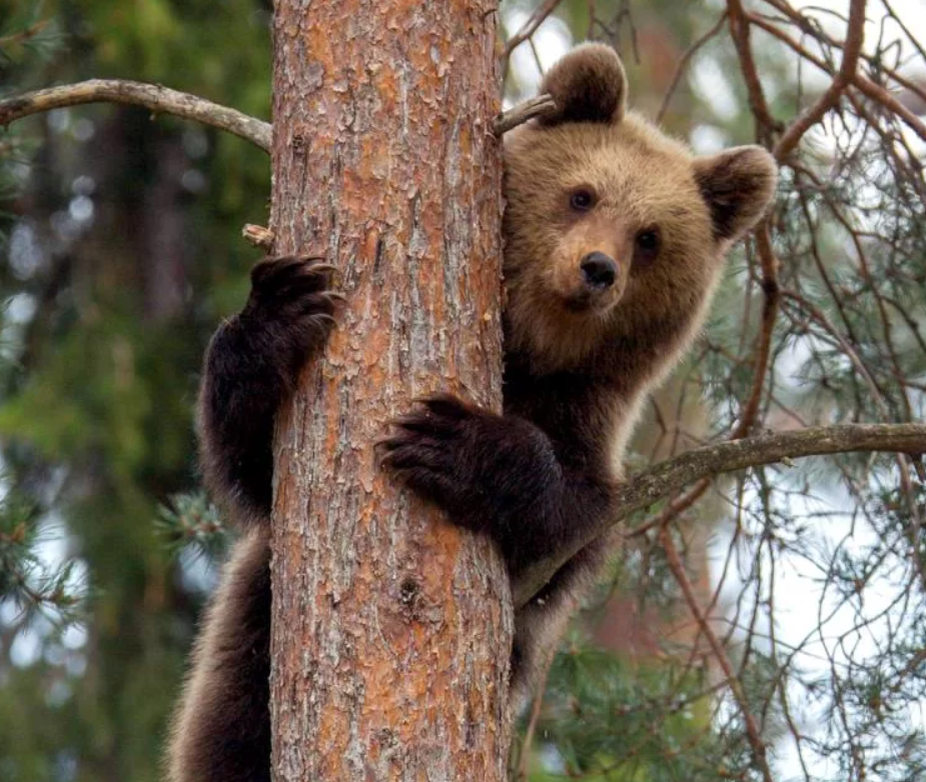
391,629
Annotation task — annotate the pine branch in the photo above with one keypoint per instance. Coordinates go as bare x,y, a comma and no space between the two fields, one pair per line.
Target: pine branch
537,18
22,36
671,475
191,519
27,582
683,65
862,83
740,32
158,99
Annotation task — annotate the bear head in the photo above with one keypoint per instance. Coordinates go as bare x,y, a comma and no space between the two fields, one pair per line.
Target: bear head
615,232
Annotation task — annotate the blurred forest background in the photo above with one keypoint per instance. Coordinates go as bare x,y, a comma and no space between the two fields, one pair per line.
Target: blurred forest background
767,626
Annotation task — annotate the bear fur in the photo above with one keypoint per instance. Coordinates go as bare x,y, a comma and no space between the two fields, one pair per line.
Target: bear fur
614,242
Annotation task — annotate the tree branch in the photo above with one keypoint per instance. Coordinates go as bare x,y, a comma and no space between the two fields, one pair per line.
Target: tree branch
876,61
739,31
540,106
855,37
163,100
772,293
669,476
259,236
152,96
861,82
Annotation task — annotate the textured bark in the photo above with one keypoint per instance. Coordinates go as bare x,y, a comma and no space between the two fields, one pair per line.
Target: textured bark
391,630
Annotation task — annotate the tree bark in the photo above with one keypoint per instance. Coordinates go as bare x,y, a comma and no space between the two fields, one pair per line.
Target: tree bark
391,629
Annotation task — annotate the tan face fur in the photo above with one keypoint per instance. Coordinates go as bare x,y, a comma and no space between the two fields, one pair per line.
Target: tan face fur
602,181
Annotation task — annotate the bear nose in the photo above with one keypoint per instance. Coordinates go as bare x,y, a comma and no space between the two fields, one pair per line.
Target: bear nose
600,270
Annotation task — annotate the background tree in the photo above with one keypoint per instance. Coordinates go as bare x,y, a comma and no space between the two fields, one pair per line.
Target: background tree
121,250
798,653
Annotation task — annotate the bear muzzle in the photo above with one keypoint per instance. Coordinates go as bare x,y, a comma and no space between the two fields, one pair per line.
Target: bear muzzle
599,271
596,284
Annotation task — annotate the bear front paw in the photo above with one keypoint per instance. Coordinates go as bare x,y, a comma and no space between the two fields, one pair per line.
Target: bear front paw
434,450
293,288
292,304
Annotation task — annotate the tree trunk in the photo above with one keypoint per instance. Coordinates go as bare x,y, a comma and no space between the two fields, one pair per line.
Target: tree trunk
391,629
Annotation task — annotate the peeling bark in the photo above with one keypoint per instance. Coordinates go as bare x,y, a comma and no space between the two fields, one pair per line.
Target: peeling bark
391,629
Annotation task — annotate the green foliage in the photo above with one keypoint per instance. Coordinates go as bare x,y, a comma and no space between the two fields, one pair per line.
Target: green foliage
190,519
26,35
27,32
609,721
29,585
103,333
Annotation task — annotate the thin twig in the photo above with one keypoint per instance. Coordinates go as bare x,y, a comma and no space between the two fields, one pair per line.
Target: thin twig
739,30
855,37
673,509
806,26
771,291
536,708
759,752
683,64
158,99
530,27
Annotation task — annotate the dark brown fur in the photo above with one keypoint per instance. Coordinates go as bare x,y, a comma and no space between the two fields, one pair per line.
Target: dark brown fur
593,182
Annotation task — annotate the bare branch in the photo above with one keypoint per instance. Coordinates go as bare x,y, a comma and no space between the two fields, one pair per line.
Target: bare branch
880,95
861,82
875,61
671,475
739,30
540,106
850,55
770,289
158,99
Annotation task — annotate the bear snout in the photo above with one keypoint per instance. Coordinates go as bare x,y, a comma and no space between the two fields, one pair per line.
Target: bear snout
599,271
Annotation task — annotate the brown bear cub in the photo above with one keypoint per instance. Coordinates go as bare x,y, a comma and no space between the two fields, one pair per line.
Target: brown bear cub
614,241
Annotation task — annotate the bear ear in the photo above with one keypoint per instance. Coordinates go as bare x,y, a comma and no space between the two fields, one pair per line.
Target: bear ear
588,85
737,185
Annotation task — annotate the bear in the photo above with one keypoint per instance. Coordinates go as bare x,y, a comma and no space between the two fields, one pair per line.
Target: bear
614,240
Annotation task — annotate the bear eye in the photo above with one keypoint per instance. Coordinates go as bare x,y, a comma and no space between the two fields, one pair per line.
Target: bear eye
581,200
646,245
